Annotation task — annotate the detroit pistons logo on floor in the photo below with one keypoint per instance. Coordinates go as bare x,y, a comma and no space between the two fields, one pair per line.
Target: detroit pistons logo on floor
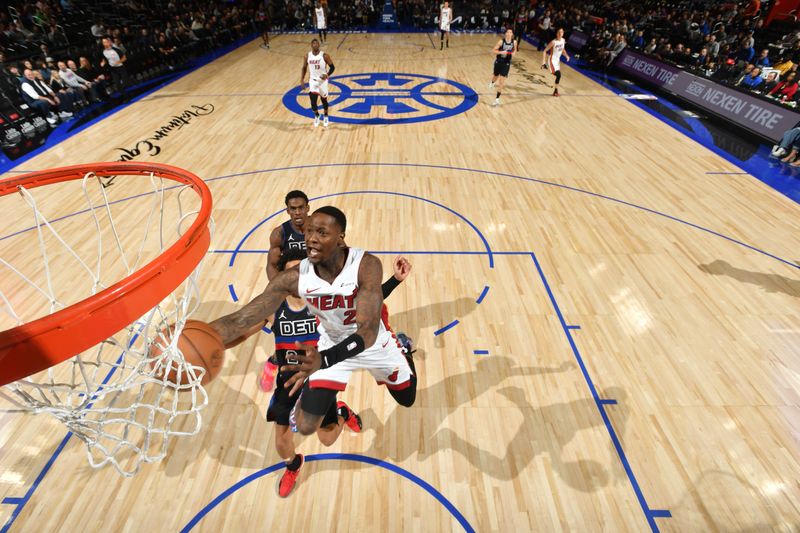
387,98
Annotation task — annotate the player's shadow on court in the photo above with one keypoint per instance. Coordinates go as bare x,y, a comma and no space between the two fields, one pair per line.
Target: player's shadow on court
227,410
435,316
547,429
768,282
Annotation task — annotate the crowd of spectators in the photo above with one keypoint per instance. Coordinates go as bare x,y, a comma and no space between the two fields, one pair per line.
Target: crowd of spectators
726,42
58,57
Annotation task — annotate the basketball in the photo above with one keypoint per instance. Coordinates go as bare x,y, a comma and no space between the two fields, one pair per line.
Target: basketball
201,346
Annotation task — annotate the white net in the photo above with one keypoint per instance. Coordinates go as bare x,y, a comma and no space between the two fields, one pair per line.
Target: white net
123,403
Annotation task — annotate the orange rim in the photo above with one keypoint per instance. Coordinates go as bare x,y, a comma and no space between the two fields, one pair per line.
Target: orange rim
47,341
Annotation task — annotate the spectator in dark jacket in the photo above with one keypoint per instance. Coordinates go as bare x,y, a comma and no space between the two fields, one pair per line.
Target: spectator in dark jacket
786,89
745,54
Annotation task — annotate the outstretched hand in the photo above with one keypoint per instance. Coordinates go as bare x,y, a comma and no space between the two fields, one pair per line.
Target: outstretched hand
402,268
308,364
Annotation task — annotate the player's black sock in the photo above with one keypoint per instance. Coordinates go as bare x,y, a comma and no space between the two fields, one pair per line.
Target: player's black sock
314,106
344,412
498,95
295,464
325,105
407,396
324,35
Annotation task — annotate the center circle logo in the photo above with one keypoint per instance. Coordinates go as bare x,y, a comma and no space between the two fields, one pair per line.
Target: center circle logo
387,98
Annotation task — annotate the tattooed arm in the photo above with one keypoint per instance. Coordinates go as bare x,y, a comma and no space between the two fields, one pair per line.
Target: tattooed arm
236,327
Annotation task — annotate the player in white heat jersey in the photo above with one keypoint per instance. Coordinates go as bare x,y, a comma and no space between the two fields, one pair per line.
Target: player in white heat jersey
321,21
342,286
319,66
557,48
445,18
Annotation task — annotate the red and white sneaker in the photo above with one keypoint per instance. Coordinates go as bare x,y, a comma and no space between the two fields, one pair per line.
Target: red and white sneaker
289,479
353,420
267,378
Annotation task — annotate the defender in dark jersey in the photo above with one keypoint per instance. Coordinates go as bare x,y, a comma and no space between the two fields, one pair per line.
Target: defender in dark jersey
286,237
503,51
293,323
289,235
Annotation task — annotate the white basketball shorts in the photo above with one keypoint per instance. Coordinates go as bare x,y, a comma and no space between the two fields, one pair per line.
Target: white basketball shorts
318,86
384,360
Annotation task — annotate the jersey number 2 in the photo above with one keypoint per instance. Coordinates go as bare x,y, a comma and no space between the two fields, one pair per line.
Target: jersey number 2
349,317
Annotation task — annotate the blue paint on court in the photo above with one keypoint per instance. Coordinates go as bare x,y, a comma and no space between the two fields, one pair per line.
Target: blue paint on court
391,193
233,292
649,513
470,170
480,352
488,249
427,487
482,295
362,94
451,325
530,180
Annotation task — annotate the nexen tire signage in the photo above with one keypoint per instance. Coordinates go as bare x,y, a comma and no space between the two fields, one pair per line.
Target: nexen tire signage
759,116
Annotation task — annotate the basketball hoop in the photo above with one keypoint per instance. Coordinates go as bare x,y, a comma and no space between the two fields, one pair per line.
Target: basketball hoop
78,346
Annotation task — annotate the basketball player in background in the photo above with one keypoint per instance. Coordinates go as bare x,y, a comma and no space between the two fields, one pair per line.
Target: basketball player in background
503,51
289,235
262,21
321,22
293,323
557,48
319,66
520,25
445,18
342,288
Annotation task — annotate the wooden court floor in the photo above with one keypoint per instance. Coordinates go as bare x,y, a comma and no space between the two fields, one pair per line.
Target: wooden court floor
638,360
